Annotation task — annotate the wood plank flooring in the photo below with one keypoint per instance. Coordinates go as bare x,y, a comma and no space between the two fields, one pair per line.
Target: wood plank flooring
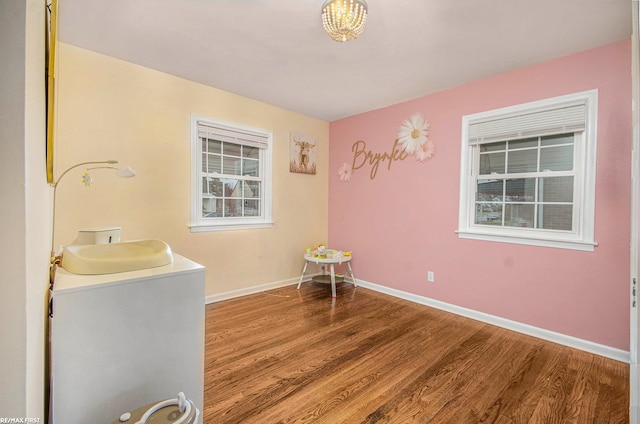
296,356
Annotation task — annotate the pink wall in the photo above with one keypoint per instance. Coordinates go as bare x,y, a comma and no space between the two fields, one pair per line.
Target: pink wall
402,223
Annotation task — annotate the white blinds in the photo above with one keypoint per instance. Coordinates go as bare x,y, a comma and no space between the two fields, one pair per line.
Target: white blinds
232,135
570,117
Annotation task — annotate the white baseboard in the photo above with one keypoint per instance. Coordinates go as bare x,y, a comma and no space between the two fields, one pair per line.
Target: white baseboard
255,289
634,407
563,339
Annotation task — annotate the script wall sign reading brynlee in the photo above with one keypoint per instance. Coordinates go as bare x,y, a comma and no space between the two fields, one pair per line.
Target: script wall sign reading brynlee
412,140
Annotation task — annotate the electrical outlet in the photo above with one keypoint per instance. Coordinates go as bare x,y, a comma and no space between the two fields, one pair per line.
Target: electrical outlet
431,277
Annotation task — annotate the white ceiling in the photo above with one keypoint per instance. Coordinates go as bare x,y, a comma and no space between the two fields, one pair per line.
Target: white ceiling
276,51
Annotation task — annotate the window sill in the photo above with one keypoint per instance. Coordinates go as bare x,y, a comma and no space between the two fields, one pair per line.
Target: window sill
582,245
203,228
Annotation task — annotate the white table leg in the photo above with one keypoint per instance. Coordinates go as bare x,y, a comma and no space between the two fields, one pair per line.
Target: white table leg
333,282
302,276
351,274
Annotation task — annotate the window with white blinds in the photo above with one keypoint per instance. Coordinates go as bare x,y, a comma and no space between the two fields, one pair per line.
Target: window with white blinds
230,176
561,118
528,173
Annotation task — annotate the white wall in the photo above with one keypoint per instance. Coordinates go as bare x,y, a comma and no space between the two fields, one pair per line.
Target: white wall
12,241
37,208
24,209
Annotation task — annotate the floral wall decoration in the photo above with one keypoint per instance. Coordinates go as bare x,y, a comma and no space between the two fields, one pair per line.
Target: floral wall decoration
413,140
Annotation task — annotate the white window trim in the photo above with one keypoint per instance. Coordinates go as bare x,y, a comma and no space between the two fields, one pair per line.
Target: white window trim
199,224
584,201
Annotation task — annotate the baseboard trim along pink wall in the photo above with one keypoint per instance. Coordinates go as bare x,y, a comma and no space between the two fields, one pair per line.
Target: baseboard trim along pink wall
401,223
563,339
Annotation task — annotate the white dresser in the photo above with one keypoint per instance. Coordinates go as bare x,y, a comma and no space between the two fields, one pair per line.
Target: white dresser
121,341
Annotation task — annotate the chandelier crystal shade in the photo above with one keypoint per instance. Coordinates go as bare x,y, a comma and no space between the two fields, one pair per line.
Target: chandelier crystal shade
344,19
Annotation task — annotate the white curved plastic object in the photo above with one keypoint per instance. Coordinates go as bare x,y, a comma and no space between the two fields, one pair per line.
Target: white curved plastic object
93,259
183,405
182,402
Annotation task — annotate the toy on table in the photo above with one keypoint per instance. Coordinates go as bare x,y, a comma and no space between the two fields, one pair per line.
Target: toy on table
322,252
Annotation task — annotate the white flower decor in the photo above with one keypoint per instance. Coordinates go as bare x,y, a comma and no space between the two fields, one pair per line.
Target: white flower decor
86,179
345,172
426,151
413,133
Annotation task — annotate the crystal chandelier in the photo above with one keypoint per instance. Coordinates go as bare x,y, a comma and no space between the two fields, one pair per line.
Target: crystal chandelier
344,19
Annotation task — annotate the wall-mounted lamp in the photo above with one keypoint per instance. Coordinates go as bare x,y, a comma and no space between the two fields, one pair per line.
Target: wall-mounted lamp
125,172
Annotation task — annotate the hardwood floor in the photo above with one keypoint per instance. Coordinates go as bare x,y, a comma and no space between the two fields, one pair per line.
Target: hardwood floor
289,356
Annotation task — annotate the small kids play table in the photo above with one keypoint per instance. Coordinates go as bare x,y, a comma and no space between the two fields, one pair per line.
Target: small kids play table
336,259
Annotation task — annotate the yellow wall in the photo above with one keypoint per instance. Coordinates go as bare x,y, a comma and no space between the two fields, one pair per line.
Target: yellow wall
111,109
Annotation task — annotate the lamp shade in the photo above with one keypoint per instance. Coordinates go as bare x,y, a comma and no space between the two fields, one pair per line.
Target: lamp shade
126,172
